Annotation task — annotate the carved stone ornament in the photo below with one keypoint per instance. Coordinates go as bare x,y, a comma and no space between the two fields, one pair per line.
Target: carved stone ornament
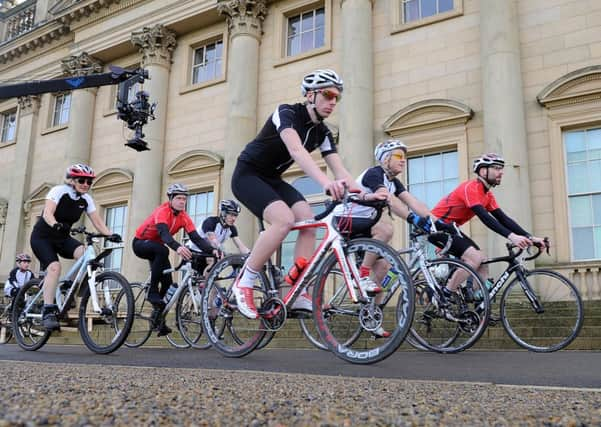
28,104
156,44
3,211
83,64
244,16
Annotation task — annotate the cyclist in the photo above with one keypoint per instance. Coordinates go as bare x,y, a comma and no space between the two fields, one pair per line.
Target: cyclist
217,229
288,136
475,198
50,236
18,276
153,238
381,183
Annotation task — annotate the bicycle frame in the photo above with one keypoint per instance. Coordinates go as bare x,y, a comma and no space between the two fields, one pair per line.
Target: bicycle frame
87,265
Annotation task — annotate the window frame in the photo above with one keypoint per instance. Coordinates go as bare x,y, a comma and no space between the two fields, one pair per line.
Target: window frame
203,39
289,10
123,233
397,15
4,114
53,110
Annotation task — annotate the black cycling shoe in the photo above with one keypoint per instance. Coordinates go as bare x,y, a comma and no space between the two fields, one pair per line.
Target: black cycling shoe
164,330
49,318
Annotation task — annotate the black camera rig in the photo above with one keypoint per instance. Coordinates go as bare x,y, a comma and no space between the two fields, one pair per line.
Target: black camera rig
135,113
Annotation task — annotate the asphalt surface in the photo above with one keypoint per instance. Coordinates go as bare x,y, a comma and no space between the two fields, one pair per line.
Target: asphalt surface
574,369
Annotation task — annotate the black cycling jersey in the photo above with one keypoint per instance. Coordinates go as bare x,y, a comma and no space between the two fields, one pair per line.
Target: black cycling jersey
268,154
222,231
69,207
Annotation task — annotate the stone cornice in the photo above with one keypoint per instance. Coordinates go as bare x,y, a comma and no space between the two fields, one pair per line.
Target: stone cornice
74,10
579,86
32,40
371,1
28,104
156,44
83,64
244,17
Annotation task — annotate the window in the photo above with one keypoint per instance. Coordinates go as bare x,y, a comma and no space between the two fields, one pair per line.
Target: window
583,172
431,176
415,10
199,207
306,31
9,126
116,220
62,105
207,62
308,187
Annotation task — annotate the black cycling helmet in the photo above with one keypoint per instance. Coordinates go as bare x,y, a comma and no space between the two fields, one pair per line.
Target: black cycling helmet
176,189
228,207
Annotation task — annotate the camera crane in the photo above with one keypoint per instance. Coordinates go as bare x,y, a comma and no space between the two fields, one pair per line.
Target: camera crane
134,113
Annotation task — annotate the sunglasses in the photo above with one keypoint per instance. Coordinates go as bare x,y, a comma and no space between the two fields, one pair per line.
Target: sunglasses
398,156
330,94
88,181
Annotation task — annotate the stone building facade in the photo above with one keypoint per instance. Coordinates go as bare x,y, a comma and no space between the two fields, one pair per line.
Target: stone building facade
451,78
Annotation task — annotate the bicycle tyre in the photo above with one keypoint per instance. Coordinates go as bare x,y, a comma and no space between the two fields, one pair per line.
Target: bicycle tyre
433,330
368,315
189,320
230,333
29,333
115,328
563,312
142,324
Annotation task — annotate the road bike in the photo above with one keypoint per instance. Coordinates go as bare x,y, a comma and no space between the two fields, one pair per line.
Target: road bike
445,322
345,316
186,301
106,307
541,310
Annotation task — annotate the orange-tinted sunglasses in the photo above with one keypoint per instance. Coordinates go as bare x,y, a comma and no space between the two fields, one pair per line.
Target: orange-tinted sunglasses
330,94
398,156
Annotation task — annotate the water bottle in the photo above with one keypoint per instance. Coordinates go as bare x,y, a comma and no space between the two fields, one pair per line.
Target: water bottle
295,270
389,279
170,292
440,271
489,285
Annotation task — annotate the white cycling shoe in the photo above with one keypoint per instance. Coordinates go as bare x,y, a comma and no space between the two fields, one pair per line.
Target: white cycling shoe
245,301
303,302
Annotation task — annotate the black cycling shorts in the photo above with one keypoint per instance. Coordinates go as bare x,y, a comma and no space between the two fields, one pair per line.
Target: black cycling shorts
47,248
359,227
256,191
458,247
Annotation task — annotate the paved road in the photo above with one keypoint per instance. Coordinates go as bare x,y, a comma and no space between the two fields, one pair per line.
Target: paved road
562,369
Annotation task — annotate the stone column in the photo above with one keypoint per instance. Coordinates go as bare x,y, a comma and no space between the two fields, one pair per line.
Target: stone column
81,120
156,44
357,107
503,109
245,20
20,180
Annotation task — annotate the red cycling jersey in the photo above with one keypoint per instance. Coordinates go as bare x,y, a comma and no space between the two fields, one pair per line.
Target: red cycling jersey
457,205
164,215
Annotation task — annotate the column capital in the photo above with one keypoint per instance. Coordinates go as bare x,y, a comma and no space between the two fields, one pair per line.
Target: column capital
82,64
244,17
29,104
156,45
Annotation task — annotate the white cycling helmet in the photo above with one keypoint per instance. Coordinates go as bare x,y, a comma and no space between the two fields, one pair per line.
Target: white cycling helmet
320,79
175,189
384,149
486,160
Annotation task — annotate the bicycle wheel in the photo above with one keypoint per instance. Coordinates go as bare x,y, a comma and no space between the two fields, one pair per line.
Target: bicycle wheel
339,298
6,330
27,317
338,319
106,331
174,338
456,324
232,334
142,325
557,321
189,319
